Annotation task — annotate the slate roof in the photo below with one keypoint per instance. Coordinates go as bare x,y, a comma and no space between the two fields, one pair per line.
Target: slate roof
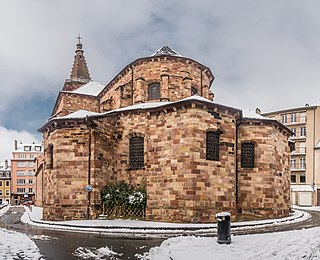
166,50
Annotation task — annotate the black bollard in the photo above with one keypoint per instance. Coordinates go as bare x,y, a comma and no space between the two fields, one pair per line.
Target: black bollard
224,232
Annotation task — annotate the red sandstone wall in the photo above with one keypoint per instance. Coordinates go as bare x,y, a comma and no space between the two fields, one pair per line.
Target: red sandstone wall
176,78
65,196
265,189
182,186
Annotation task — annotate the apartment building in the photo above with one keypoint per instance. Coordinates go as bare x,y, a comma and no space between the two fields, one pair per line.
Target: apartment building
305,159
23,186
5,182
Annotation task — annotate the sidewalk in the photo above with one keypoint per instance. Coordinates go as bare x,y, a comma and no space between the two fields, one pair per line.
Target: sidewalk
136,228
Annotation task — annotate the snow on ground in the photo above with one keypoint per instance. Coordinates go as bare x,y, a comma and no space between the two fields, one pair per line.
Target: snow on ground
96,253
15,245
297,244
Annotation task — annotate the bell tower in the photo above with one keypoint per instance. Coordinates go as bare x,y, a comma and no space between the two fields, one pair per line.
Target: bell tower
79,73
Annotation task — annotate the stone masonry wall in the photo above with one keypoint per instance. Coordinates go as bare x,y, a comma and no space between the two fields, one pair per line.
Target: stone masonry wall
65,196
176,77
70,103
182,186
265,189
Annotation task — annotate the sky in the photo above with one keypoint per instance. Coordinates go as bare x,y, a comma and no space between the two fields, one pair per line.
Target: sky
263,54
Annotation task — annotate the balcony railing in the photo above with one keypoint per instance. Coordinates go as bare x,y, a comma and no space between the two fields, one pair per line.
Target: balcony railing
298,166
299,150
298,119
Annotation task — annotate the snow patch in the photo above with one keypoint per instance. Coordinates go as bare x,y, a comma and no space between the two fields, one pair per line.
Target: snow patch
95,253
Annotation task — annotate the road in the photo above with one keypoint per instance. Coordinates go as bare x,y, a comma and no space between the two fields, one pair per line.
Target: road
62,245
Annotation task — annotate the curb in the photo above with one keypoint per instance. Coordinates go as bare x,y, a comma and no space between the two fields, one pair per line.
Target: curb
148,231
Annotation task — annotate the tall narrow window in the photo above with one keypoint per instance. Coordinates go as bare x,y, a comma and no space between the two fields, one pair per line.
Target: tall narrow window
212,146
293,117
284,119
247,155
154,91
136,152
50,156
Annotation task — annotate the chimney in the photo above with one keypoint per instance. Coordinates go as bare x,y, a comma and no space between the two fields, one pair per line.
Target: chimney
258,111
6,164
15,145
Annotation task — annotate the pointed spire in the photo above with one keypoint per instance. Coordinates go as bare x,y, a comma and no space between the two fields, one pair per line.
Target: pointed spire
79,69
166,50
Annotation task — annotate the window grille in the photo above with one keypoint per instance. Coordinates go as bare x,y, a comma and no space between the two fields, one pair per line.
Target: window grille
212,146
154,91
136,152
247,155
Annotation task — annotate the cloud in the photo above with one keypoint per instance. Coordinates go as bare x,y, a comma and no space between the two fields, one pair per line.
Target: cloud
7,141
263,54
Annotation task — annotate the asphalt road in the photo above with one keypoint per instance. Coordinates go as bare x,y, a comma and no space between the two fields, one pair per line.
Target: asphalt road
62,245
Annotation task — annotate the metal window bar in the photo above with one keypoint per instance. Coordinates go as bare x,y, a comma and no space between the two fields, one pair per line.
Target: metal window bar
212,146
136,152
247,155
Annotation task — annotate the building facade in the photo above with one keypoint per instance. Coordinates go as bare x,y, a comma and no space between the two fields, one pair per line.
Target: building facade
304,122
155,125
5,182
23,186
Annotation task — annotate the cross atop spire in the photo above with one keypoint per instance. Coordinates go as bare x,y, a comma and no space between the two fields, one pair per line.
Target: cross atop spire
79,38
79,69
79,44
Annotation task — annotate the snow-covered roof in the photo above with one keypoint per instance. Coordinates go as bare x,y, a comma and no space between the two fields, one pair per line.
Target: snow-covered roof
248,113
92,88
166,50
317,146
139,106
302,188
79,114
33,147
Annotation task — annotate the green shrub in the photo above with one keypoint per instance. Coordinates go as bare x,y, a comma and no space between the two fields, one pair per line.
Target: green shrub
121,194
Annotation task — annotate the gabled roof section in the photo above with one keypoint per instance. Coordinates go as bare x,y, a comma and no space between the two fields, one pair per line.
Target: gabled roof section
166,50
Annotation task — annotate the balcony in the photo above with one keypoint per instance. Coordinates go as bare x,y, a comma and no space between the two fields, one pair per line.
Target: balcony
297,166
298,136
299,151
294,121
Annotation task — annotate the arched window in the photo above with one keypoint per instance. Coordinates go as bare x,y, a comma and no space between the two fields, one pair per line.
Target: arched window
194,91
154,91
49,164
247,155
136,152
212,145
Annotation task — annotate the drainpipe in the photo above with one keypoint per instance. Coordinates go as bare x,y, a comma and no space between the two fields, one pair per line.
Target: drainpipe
314,161
236,168
131,85
201,83
89,163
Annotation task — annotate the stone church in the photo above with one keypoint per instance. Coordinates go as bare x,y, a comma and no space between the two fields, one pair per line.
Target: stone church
155,124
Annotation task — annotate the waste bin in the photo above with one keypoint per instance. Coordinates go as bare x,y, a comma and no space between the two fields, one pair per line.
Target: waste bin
223,223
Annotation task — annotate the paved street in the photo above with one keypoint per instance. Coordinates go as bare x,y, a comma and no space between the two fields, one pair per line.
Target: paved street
63,245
